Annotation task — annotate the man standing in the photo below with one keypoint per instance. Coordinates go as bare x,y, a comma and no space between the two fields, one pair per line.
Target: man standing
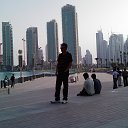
125,77
115,78
12,80
64,62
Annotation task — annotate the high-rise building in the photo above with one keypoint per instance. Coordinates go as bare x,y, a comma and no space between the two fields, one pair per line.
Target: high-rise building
79,55
88,58
52,41
105,57
126,51
7,40
0,54
116,48
99,46
32,47
70,30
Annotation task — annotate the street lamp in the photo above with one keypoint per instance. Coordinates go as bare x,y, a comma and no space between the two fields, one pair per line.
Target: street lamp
20,64
24,48
33,64
50,65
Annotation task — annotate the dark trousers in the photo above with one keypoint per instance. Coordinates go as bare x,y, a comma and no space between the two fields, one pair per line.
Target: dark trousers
83,93
114,83
125,81
61,78
12,84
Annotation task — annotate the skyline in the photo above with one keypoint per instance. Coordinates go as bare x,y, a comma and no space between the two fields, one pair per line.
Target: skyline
110,16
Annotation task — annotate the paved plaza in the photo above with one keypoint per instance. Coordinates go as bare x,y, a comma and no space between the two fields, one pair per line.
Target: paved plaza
28,106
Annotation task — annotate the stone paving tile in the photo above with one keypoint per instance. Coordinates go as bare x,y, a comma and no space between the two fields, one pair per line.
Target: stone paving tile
30,108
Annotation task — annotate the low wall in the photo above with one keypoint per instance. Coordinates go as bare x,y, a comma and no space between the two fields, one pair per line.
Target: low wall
27,78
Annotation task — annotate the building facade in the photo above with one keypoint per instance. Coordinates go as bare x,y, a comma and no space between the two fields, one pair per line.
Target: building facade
70,30
88,58
99,46
116,48
52,41
7,40
32,47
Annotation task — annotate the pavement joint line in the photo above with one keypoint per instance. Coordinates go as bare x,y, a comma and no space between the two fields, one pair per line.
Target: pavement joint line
20,105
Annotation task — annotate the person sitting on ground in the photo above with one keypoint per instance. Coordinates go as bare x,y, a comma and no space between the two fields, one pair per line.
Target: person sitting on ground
97,84
88,88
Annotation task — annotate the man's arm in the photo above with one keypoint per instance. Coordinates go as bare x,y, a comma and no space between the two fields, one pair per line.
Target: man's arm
56,69
69,66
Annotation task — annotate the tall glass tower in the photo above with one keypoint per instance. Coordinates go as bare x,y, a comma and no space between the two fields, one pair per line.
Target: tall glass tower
70,30
32,47
52,41
7,40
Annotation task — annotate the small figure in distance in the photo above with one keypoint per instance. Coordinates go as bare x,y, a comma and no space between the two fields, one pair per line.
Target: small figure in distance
88,88
12,80
119,77
97,84
6,81
115,78
125,76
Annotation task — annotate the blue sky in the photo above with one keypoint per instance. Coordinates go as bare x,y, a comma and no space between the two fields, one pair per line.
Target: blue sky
108,15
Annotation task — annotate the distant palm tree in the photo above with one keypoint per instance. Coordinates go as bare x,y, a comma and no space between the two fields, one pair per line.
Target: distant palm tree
111,62
97,61
106,60
118,60
101,62
124,58
121,56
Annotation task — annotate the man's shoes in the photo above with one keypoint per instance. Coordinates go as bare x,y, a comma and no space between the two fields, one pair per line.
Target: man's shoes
55,101
78,94
64,102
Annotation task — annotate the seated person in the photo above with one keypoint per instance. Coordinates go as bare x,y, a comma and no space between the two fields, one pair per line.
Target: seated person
97,84
88,88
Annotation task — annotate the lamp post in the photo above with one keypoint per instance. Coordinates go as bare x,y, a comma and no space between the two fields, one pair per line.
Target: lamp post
33,64
24,48
50,65
20,64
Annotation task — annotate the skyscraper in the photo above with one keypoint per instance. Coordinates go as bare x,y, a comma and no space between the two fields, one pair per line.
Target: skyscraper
99,45
126,50
32,47
116,48
88,58
7,40
52,41
70,30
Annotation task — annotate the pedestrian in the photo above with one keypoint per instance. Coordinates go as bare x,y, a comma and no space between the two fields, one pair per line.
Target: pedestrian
125,77
115,78
6,81
97,84
88,88
12,80
64,62
119,77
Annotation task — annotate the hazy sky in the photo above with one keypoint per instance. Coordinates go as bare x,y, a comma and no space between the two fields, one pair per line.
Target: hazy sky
93,15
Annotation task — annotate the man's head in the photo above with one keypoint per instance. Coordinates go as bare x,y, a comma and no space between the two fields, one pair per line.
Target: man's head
85,75
93,76
63,47
118,69
124,69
